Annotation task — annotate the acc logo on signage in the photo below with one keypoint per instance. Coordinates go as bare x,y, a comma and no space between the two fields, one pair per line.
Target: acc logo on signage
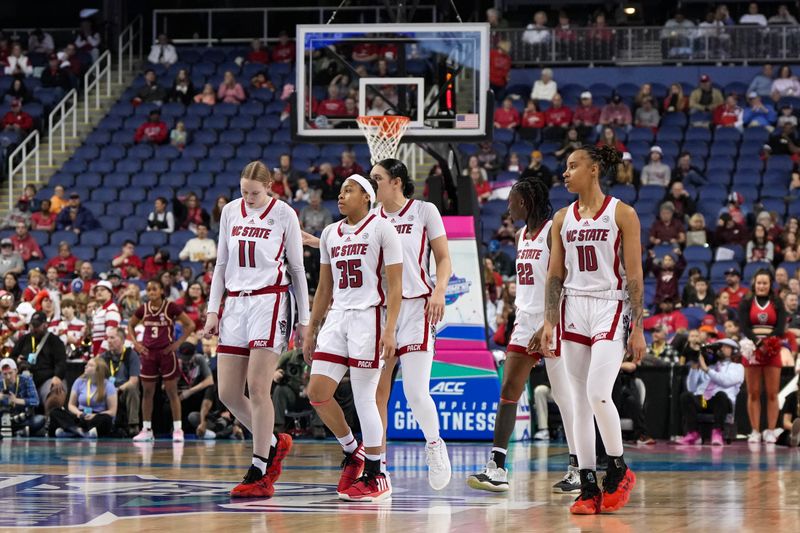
448,388
456,288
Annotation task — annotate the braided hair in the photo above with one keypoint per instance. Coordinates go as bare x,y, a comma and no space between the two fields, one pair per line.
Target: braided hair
536,199
606,157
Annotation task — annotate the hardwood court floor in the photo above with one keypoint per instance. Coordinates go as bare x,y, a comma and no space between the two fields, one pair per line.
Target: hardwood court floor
115,485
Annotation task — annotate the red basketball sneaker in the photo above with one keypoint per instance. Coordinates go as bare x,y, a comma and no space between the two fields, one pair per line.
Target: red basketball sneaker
282,449
254,485
352,468
617,487
368,488
589,502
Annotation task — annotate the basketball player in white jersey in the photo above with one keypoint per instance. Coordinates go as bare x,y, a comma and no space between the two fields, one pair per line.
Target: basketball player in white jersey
260,253
529,202
596,261
421,231
357,334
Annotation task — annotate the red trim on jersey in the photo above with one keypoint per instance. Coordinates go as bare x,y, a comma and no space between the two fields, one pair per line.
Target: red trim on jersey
419,259
280,263
330,357
533,238
268,209
380,278
232,350
244,211
403,211
606,201
271,340
617,261
609,336
364,225
269,289
573,337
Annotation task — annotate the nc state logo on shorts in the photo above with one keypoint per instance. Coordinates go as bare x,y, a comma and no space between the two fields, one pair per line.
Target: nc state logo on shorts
282,325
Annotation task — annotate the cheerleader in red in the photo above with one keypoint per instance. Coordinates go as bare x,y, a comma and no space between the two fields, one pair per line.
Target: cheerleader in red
762,315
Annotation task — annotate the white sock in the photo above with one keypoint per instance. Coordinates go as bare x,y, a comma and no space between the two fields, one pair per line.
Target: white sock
348,442
274,441
260,464
176,425
147,425
372,457
383,463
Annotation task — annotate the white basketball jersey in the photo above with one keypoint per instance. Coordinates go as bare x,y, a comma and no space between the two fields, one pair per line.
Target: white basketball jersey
417,224
255,243
357,255
592,252
533,258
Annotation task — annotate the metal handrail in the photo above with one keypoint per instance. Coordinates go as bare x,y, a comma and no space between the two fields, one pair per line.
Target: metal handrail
133,32
93,82
324,14
13,168
58,126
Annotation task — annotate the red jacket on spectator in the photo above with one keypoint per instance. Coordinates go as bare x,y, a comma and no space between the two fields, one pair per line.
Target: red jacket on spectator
331,107
588,116
727,117
499,67
151,269
42,222
666,232
534,119
21,119
154,132
507,118
364,51
735,296
133,260
64,265
559,117
672,321
27,248
283,53
261,56
346,172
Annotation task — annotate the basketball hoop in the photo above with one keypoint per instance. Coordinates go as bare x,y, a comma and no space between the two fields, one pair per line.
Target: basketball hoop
383,134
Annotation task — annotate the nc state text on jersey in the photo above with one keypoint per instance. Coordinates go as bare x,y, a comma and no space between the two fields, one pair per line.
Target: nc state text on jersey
585,235
349,249
253,232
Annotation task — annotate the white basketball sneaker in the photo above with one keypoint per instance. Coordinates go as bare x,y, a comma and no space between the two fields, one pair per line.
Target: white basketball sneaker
754,437
145,435
490,478
439,469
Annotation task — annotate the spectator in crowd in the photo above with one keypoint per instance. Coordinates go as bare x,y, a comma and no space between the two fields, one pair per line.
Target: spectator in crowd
545,88
667,229
681,200
286,168
348,166
16,124
151,92
495,19
230,91
532,122
199,248
284,51
56,76
207,96
25,244
488,158
675,101
10,260
378,107
194,378
71,329
729,232
182,88
645,92
499,68
667,317
43,355
333,105
44,219
163,52
91,410
759,114
735,292
483,189
290,379
130,301
559,118
156,264
647,115
786,117
58,200
538,171
761,84
759,248
677,36
216,212
626,173
330,184
86,278
785,142
790,422
629,402
315,216
701,296
537,34
729,114
257,54
127,258
711,389
280,186
178,136
601,35
753,16
656,172
161,218
18,398
687,173
88,40
193,303
18,91
660,352
705,98
667,273
616,113
785,84
17,63
762,315
71,61
697,234
35,284
570,143
40,42
303,191
587,115
609,138
20,213
502,263
105,317
153,131
783,16
507,117
64,262
507,232
124,368
192,213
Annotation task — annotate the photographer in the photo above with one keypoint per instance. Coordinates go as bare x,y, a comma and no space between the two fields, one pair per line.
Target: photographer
790,436
289,391
124,368
18,397
194,378
711,389
45,356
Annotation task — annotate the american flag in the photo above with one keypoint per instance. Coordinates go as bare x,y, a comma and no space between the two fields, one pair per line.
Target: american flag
467,121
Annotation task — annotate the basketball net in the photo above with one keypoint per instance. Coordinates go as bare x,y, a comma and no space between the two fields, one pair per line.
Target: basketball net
383,134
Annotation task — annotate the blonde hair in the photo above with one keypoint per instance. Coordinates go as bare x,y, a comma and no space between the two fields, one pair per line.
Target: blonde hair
258,171
696,217
101,373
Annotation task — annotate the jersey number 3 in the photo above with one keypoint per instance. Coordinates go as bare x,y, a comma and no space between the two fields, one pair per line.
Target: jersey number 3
350,274
247,254
587,258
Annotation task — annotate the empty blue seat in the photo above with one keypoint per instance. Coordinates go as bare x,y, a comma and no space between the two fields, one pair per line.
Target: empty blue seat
153,238
778,205
117,180
201,110
750,270
173,109
222,151
86,253
141,151
131,166
249,151
101,166
215,122
104,194
226,110
698,134
718,269
94,238
626,193
74,166
180,237
98,137
698,253
122,137
96,208
183,165
675,119
242,123
173,180
211,165
157,166
791,267
110,223
104,257
727,134
64,236
199,180
87,152
118,238
167,152
780,163
204,137
123,208
88,180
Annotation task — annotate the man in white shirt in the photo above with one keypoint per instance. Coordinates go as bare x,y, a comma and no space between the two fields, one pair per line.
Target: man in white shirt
200,248
753,16
538,32
163,53
546,87
711,389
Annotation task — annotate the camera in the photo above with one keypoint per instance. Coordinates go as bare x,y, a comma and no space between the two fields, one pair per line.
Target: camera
710,352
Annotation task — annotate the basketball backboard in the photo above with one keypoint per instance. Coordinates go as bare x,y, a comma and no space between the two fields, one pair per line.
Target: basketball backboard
436,74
